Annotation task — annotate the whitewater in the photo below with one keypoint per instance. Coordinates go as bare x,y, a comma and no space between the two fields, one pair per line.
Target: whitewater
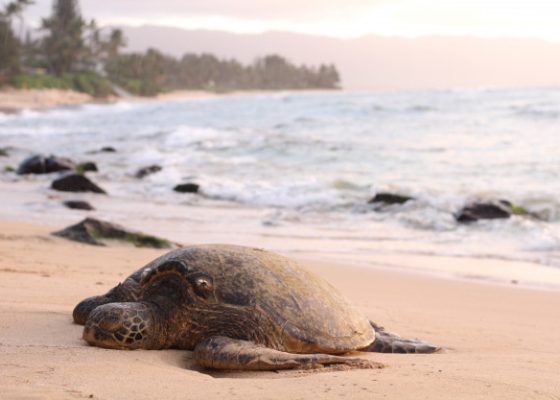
306,165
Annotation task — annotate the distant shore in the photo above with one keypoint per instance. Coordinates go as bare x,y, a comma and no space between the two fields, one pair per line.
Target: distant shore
17,100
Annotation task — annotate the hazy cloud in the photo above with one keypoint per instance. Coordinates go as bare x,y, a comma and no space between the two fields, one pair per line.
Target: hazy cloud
241,9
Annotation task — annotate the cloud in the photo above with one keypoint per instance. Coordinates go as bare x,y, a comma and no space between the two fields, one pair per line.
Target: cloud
241,9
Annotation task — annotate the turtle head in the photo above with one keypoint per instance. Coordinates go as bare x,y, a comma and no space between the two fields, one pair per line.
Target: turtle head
121,292
124,326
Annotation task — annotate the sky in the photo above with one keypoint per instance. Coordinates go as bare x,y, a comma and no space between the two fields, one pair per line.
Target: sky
334,18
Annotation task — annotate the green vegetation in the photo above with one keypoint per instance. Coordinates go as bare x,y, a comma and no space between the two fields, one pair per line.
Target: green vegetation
150,73
4,152
75,54
518,210
135,238
10,45
142,240
63,46
86,82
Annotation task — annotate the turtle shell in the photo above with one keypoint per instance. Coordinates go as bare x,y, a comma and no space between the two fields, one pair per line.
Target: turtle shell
304,312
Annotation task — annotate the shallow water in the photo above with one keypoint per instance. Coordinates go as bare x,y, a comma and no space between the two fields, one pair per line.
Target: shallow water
309,162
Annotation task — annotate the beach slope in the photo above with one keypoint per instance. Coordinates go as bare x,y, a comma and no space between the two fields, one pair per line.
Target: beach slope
501,342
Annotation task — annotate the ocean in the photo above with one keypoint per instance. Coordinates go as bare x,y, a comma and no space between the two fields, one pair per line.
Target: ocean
306,164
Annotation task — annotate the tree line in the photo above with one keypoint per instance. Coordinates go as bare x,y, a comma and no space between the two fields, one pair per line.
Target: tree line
73,53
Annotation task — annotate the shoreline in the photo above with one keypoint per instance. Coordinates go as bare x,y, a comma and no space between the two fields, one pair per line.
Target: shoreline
42,277
28,200
14,101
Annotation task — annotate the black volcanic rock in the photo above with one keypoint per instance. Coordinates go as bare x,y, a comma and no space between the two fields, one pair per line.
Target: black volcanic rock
108,149
390,198
94,231
76,183
78,205
39,164
187,188
88,166
484,210
152,169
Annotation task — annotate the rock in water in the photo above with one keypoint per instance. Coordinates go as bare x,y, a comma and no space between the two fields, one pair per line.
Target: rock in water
39,164
187,188
76,183
152,169
86,167
78,205
483,210
94,231
390,198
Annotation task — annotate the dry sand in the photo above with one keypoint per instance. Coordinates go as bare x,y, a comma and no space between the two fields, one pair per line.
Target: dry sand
12,100
501,342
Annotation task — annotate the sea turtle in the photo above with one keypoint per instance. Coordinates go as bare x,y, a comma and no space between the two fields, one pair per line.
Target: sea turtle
237,308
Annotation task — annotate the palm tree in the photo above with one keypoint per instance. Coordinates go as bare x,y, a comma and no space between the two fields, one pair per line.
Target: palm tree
64,45
10,45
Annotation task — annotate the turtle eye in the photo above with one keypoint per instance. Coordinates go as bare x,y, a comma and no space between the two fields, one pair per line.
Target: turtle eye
203,286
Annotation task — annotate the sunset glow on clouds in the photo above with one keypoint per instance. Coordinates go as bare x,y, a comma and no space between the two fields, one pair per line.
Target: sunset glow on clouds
340,18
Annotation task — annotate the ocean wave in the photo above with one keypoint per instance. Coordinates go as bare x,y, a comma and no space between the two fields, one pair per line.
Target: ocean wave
537,111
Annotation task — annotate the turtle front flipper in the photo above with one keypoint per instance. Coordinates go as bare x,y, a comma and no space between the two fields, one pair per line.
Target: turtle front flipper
388,342
219,352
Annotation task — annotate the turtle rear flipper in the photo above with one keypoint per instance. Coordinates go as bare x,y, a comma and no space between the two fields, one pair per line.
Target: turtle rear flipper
219,352
388,342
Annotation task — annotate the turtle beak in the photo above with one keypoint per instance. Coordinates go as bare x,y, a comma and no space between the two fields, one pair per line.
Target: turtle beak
85,307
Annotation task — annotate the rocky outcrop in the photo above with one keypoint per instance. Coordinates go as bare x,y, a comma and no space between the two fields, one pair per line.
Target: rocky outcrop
187,188
500,209
39,164
76,183
88,166
152,169
78,205
96,232
390,198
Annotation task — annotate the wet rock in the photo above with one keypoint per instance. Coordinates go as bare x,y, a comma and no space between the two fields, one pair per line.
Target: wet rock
39,164
76,183
78,205
515,209
483,210
106,149
88,166
95,232
187,188
152,169
390,198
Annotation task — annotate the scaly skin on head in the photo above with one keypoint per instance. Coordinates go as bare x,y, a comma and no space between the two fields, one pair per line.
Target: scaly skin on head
125,326
123,292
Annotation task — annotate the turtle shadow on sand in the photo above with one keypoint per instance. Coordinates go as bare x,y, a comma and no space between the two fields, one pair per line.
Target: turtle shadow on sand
237,308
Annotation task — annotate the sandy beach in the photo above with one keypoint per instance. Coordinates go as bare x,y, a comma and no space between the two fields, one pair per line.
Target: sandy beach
500,342
13,101
495,317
